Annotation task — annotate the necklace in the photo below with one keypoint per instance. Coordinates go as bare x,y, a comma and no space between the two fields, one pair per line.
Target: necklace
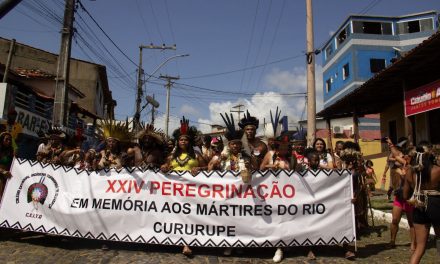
183,162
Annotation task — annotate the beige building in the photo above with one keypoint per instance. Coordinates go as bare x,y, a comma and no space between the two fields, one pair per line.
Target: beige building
37,68
29,92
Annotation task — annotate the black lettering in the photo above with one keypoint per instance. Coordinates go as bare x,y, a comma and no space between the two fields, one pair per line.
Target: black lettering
74,203
202,209
156,227
230,231
96,203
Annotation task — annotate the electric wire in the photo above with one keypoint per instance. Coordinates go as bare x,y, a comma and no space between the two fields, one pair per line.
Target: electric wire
283,5
108,37
266,21
242,69
249,44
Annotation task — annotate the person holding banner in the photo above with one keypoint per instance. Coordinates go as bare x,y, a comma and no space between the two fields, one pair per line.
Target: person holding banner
326,160
113,133
352,157
150,150
6,157
184,158
52,152
252,145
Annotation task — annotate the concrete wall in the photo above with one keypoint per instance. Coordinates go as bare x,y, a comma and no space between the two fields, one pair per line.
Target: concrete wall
393,112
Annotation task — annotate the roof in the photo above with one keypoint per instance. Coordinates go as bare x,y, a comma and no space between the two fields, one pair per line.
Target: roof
39,74
101,68
419,66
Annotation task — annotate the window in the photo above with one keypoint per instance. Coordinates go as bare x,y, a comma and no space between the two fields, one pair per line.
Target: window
342,36
328,51
345,71
366,27
328,85
376,65
415,26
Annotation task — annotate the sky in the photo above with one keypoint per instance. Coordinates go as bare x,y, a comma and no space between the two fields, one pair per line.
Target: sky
249,52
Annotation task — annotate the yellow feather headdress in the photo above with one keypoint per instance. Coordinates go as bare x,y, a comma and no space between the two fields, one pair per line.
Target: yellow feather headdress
119,130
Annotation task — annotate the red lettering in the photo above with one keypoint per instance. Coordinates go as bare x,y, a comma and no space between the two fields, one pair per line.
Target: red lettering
249,191
275,191
285,191
217,189
178,187
236,191
154,186
190,190
166,186
138,188
260,193
111,185
122,186
203,194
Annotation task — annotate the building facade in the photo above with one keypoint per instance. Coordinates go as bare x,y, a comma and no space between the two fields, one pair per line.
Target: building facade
365,45
29,92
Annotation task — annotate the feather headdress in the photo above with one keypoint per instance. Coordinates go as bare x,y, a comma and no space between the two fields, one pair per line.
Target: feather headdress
149,130
118,130
248,120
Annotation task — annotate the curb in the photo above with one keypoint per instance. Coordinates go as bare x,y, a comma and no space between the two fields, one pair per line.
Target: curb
387,217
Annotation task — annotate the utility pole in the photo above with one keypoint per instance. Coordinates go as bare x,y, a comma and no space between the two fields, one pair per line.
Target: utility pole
239,111
59,117
168,86
6,6
311,97
140,93
9,60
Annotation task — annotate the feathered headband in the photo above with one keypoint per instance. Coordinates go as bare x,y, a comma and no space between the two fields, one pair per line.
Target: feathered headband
149,130
185,130
248,120
275,120
231,132
118,130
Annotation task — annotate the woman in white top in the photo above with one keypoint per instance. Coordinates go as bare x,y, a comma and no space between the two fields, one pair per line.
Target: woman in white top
325,159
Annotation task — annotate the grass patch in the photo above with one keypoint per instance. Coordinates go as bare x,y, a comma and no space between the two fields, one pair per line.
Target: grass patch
381,204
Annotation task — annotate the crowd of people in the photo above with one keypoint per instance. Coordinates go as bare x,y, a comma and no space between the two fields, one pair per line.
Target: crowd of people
239,149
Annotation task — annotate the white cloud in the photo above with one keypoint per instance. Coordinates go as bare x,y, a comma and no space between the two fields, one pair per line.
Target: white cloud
188,110
331,32
280,82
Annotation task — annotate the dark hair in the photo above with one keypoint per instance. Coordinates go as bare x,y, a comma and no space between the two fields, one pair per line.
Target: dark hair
323,142
339,142
308,152
369,163
190,151
422,144
351,145
207,138
9,151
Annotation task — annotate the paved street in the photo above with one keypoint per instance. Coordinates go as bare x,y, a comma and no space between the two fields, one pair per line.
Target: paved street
24,247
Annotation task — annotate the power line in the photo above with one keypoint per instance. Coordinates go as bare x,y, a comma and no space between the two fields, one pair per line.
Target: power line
249,44
261,43
108,37
271,44
242,69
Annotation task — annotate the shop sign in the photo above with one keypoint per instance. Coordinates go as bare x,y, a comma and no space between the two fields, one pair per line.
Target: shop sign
422,99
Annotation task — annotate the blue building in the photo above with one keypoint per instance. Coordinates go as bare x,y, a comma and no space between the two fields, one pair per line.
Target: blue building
364,45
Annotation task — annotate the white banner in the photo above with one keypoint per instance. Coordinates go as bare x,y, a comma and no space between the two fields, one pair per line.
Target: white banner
279,208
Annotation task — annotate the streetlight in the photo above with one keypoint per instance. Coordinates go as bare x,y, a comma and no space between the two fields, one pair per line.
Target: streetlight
138,110
163,63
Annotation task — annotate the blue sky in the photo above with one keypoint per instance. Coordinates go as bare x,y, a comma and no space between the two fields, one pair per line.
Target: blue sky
220,36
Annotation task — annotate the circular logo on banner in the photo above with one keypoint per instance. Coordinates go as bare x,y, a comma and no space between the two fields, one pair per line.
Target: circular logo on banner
41,190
